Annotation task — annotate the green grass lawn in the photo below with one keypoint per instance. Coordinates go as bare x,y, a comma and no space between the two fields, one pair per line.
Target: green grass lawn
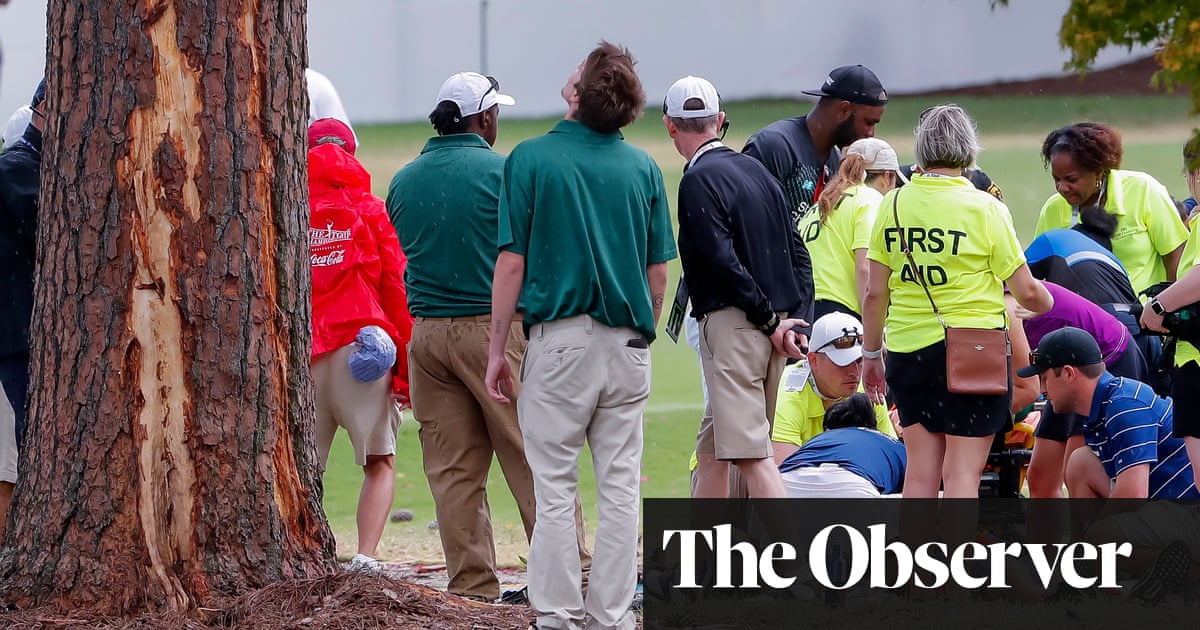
1012,129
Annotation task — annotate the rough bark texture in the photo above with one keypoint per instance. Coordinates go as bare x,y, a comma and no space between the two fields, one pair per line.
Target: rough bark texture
168,457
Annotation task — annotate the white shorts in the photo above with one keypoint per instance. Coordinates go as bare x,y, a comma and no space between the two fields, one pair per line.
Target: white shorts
827,481
365,410
8,440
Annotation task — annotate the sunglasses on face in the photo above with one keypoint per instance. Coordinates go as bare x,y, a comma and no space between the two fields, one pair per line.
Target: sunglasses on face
845,342
494,88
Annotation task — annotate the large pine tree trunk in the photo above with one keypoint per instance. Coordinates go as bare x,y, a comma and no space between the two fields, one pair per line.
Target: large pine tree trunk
168,457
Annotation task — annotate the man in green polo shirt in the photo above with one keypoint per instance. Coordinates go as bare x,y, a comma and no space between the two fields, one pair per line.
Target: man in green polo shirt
585,235
444,207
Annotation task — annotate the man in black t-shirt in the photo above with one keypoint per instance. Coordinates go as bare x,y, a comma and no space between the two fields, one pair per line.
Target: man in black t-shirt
802,152
741,259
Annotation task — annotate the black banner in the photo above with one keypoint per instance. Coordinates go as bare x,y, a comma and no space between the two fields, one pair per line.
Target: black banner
991,563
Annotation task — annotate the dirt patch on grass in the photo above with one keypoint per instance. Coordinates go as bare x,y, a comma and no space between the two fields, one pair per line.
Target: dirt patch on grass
1132,78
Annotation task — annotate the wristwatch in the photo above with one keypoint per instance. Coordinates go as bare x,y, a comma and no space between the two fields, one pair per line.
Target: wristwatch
768,328
1157,307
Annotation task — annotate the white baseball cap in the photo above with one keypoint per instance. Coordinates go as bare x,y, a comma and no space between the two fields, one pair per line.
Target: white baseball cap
689,88
837,336
878,155
473,93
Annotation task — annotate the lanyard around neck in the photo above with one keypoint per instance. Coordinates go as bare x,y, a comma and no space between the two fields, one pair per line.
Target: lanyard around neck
704,148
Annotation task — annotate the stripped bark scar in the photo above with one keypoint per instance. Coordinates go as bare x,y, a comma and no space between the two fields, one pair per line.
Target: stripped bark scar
161,168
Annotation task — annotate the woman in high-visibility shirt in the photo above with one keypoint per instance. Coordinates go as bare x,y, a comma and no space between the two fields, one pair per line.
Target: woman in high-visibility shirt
1085,161
838,234
1184,390
965,250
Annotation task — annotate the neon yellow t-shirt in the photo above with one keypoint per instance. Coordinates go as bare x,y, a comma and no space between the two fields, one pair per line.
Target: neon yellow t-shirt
800,413
1147,224
964,245
832,245
1188,262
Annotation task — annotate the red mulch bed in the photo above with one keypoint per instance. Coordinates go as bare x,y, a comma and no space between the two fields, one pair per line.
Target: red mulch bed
344,600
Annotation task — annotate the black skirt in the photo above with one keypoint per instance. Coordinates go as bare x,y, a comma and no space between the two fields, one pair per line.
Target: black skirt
917,381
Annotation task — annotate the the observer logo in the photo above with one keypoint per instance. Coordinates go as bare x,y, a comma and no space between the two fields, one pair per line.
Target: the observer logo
869,556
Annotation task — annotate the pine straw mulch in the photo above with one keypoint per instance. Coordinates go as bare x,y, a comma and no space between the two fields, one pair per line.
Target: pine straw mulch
350,600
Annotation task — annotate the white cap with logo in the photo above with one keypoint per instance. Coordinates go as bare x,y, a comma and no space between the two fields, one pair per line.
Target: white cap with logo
473,93
689,88
837,336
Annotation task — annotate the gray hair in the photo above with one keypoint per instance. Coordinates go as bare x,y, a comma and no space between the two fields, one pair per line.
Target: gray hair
696,125
946,138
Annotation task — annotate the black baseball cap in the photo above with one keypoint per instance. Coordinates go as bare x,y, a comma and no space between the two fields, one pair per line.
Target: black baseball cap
1065,346
856,84
39,94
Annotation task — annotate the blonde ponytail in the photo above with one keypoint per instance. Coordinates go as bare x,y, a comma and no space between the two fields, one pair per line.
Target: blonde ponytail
851,172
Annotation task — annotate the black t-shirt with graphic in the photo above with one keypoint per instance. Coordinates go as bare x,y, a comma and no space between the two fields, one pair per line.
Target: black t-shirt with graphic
786,148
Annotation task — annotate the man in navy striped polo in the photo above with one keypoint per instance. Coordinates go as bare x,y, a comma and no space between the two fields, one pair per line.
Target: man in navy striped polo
1131,452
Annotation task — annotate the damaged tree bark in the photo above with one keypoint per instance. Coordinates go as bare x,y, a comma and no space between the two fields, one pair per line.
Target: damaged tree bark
168,457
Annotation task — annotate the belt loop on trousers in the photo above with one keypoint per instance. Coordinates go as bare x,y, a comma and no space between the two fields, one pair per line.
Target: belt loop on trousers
587,324
540,328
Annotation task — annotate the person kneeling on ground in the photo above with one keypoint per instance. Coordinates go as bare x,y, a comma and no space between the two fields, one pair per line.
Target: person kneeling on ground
850,459
831,372
1131,453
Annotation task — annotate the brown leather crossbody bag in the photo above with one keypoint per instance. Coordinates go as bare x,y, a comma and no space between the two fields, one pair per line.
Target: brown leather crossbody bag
977,359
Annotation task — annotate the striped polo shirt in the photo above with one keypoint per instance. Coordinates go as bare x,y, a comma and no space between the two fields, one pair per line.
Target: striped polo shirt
1130,425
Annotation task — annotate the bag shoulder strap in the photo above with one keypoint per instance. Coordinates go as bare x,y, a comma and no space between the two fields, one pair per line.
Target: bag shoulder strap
908,252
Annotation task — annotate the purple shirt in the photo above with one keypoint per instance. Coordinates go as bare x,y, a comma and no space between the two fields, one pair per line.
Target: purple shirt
1072,310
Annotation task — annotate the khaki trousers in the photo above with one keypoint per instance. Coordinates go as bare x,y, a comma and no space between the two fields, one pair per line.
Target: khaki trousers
460,429
584,381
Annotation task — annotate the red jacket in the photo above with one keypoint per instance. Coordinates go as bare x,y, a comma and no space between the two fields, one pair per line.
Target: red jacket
357,265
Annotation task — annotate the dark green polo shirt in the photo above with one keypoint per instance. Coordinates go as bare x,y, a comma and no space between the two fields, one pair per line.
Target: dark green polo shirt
443,206
589,213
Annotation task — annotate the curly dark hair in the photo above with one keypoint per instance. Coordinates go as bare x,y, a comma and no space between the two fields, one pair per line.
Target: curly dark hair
1094,146
610,92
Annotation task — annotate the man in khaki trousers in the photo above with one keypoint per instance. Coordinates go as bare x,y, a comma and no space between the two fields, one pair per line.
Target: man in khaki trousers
444,207
585,236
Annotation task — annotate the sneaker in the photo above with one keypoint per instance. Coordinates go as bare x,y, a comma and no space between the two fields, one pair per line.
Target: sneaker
364,563
516,597
1165,575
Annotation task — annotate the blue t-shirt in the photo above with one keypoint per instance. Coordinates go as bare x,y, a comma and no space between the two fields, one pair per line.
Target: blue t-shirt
1130,425
876,457
1074,261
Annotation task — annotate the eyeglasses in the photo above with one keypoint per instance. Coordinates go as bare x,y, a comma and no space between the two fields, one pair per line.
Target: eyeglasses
494,88
845,342
1036,358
